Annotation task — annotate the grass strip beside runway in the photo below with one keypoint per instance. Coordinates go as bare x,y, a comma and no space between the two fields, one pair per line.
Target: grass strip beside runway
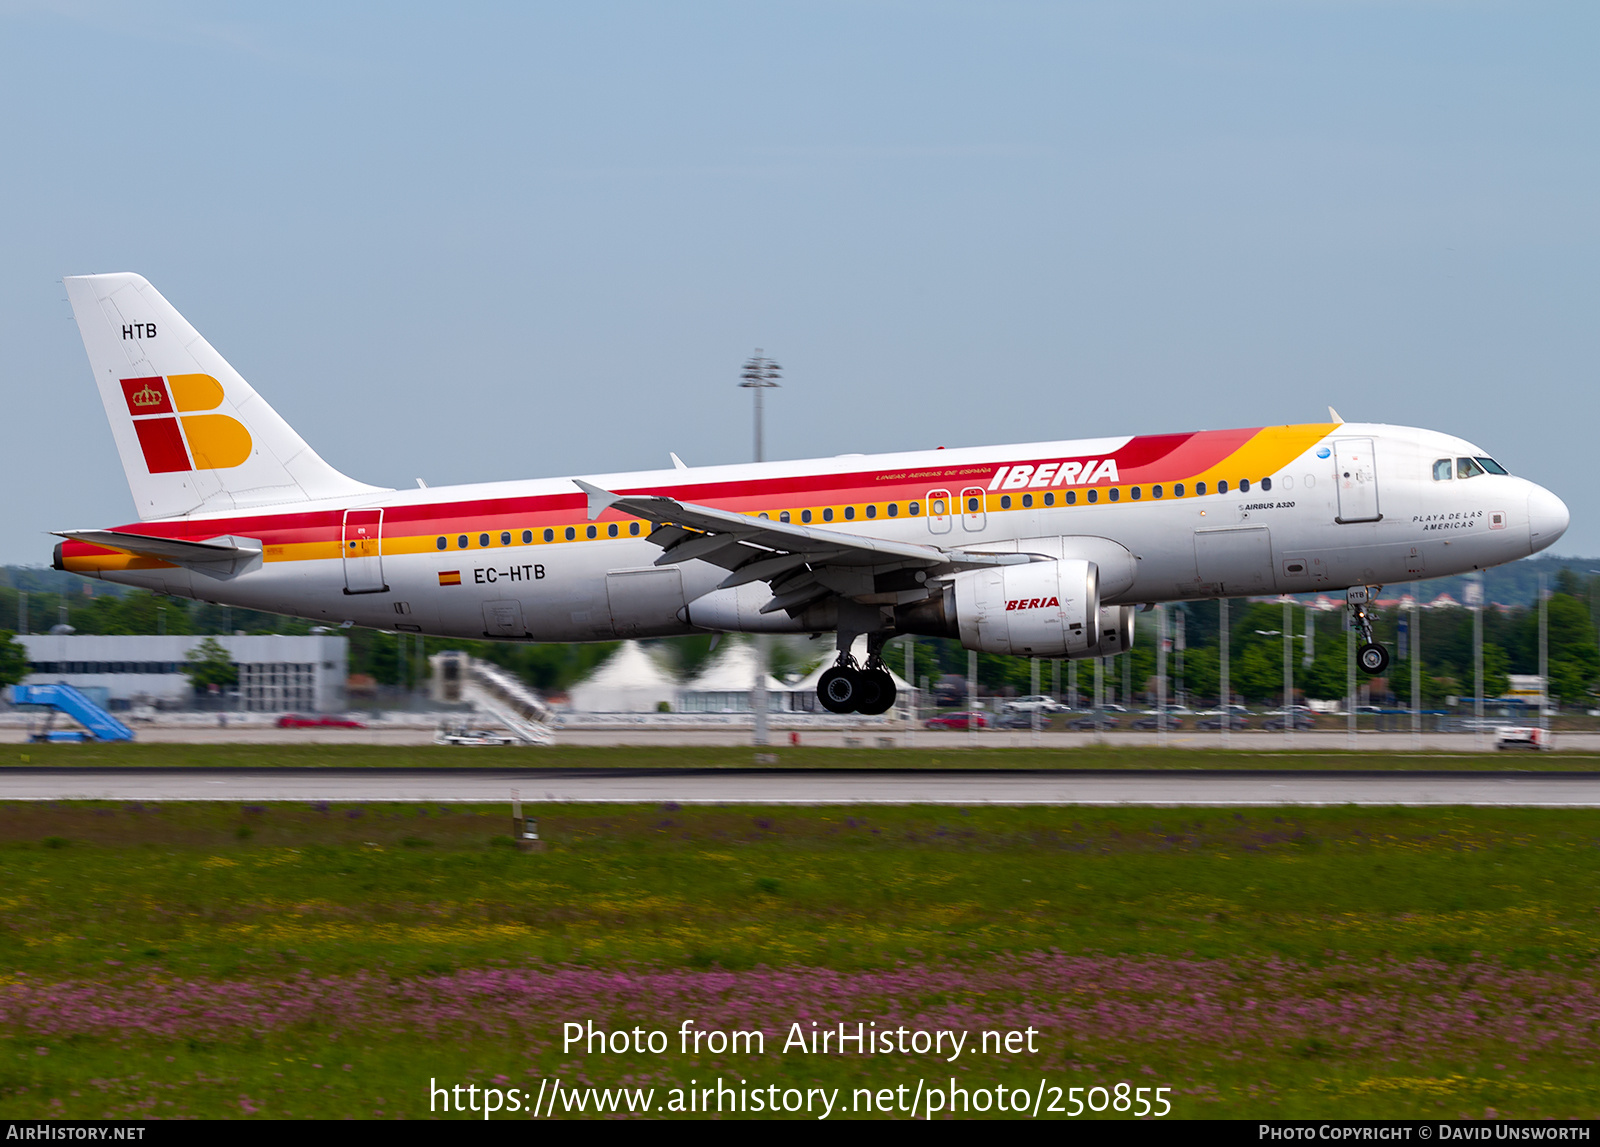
1088,758
216,959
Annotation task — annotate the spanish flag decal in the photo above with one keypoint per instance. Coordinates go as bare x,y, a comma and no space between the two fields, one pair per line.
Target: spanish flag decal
450,577
173,435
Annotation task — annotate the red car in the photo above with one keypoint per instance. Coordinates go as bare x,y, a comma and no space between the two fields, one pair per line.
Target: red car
295,721
956,721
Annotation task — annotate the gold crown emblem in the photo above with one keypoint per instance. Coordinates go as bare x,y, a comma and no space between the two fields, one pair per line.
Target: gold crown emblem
149,396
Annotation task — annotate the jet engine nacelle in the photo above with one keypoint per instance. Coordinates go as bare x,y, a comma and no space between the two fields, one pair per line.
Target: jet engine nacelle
1038,609
1114,631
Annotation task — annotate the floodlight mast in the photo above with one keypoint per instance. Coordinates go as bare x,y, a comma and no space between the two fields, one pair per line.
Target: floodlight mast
760,373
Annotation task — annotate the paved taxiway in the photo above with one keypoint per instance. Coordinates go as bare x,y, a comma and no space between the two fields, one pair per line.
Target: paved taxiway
1565,790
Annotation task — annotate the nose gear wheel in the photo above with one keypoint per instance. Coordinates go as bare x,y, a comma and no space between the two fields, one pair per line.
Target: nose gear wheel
1370,656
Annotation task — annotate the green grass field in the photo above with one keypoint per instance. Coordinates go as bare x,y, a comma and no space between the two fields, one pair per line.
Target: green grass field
286,960
1098,757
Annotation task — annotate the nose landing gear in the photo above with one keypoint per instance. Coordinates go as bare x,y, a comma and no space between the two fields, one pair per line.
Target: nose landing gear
1370,656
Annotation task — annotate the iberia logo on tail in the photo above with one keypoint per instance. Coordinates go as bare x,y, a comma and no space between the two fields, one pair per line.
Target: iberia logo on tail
174,433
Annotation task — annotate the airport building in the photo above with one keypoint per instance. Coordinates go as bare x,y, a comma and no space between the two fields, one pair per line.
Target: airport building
276,673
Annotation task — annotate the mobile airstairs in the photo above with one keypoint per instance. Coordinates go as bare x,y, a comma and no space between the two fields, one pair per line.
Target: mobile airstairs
63,698
492,692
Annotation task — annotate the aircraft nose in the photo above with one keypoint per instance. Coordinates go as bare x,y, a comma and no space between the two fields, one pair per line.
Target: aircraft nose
1547,518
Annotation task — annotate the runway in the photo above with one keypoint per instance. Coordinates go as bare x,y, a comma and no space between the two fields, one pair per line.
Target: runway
812,787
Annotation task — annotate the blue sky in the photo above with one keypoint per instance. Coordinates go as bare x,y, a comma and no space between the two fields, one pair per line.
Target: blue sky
479,242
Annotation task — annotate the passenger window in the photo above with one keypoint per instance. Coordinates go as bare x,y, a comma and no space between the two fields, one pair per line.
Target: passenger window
1222,486
894,509
1027,501
590,532
1135,493
461,542
827,514
1441,470
1467,468
1177,489
1266,485
505,537
571,533
549,535
872,511
633,528
805,515
849,513
913,508
936,507
763,514
1115,493
1244,485
527,536
611,530
1155,491
1199,489
783,515
442,544
972,505
1094,496
483,540
1072,497
1005,501
1049,499
1492,466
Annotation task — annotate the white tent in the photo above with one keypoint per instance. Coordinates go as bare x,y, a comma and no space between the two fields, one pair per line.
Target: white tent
630,681
724,684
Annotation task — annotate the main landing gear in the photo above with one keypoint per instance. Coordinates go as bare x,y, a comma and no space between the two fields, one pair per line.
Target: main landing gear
851,688
1372,657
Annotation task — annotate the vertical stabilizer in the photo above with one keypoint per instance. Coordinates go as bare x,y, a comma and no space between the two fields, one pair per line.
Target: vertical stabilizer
193,435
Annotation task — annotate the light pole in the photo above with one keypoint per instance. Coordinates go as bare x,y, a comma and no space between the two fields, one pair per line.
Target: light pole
1161,674
1475,600
1416,667
1544,655
759,374
1289,639
1227,692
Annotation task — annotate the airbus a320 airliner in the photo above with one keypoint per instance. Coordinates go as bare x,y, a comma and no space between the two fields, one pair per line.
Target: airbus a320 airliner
1043,550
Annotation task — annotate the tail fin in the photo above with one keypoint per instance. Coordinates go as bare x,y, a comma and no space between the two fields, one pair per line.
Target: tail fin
193,435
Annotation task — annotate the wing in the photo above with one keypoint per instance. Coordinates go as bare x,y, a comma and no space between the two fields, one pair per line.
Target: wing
802,564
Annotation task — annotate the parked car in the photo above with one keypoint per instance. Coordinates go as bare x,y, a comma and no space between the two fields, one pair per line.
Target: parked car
1278,723
296,721
1087,721
1037,701
1156,721
1020,721
1214,721
956,721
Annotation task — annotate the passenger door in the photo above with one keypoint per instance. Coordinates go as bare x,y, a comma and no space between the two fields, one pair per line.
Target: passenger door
363,551
1356,473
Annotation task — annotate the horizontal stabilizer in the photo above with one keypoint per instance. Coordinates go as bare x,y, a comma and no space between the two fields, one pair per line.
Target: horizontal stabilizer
222,557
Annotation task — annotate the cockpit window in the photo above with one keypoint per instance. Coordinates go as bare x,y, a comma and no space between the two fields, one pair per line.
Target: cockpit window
1467,468
1441,470
1491,465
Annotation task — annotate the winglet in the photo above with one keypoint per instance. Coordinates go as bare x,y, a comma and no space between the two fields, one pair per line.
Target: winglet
599,500
1334,415
677,463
